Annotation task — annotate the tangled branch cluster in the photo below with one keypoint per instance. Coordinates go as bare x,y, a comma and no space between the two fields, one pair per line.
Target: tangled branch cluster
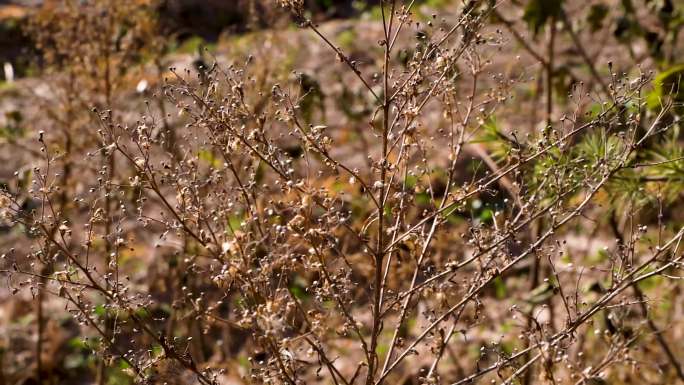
401,258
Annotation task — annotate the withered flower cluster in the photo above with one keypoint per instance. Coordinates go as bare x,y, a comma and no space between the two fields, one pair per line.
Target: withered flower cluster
419,240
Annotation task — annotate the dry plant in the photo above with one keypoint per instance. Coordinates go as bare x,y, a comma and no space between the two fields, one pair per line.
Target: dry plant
429,258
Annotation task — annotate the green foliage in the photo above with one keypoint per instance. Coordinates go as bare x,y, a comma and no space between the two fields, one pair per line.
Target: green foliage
373,13
352,103
563,80
298,288
325,4
209,157
666,163
667,83
627,188
234,223
100,311
347,39
157,351
600,147
312,99
597,15
14,128
541,293
651,282
194,45
500,288
422,198
118,376
481,212
539,12
496,141
659,37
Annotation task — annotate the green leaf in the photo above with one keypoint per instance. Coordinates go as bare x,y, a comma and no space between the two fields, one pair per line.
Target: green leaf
325,4
118,375
347,39
142,312
486,216
209,157
74,361
235,222
654,43
540,293
77,343
100,310
422,198
298,288
157,351
628,6
500,289
14,128
410,181
667,83
538,12
597,14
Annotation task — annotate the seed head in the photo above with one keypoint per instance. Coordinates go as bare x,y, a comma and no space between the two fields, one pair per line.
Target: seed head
296,6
